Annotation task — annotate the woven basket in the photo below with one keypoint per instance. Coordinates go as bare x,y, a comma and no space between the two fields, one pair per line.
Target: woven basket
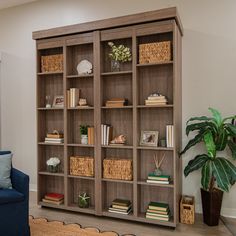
82,166
154,52
187,210
118,169
52,63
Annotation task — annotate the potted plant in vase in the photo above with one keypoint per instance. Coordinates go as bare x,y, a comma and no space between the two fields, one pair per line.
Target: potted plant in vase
118,54
84,134
218,173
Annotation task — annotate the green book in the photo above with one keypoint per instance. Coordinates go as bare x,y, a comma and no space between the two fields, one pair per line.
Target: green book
158,176
157,215
158,206
121,202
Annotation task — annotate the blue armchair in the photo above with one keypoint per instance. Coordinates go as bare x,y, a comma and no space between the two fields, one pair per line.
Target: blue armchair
14,206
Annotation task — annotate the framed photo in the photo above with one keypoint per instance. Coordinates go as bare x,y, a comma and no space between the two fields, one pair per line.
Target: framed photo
149,138
58,101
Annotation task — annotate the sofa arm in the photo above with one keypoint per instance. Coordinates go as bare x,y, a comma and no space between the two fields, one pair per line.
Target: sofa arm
20,182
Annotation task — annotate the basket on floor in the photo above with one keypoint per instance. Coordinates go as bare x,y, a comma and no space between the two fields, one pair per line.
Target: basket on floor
187,210
82,166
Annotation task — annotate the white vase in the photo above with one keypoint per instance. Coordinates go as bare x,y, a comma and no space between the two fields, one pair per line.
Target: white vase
84,139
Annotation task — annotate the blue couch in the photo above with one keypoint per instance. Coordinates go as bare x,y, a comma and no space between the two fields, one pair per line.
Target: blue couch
14,206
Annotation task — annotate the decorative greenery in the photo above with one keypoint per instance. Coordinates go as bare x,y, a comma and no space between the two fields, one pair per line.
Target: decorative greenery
216,133
83,200
120,52
83,129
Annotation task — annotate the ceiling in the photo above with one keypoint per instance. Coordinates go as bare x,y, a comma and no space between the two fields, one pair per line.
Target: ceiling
11,3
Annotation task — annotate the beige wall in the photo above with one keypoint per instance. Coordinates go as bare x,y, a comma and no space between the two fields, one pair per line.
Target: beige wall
209,61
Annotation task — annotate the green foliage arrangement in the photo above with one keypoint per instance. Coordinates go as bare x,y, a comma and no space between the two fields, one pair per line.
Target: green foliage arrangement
216,133
83,129
120,52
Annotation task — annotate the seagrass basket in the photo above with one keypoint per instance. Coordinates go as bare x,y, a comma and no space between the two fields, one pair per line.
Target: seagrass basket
82,166
187,210
118,169
52,63
154,52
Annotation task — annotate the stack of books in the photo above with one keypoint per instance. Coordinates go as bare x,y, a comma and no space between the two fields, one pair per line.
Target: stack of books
91,135
155,99
158,179
54,198
170,136
121,206
106,131
158,211
54,138
117,102
72,97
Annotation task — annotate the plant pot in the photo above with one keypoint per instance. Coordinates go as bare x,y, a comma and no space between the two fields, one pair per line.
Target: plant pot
115,66
83,200
211,206
84,139
53,169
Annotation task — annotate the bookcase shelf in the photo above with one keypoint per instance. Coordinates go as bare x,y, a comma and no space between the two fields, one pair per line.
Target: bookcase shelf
134,82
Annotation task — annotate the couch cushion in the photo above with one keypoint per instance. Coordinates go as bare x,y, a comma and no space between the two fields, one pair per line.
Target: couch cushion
10,196
5,171
4,152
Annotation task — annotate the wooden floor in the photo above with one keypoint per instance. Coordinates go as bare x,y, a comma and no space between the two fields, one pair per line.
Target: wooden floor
123,227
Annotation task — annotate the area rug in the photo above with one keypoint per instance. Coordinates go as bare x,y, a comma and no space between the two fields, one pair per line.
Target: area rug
43,227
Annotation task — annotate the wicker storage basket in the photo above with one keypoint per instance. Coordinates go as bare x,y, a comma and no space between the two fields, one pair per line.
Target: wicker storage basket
187,210
118,169
52,63
83,166
154,52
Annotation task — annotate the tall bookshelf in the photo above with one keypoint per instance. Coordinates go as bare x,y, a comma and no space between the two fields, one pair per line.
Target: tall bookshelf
135,82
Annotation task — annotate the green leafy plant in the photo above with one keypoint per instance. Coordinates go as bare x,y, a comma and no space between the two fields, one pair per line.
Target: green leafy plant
217,134
83,129
120,52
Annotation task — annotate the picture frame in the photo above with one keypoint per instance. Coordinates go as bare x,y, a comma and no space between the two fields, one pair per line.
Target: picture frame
149,138
58,101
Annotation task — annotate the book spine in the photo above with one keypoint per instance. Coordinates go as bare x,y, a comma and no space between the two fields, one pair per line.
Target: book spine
89,135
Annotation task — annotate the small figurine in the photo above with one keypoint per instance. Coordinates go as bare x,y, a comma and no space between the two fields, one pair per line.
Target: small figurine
84,67
119,140
82,102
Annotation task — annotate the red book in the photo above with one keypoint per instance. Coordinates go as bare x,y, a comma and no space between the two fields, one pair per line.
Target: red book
54,196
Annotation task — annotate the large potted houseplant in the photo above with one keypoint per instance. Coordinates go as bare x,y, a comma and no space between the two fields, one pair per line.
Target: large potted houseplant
218,172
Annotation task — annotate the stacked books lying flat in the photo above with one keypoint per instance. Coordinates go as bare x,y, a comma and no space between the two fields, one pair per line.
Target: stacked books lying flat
155,99
54,138
121,206
54,198
117,102
91,135
158,179
106,131
158,211
169,136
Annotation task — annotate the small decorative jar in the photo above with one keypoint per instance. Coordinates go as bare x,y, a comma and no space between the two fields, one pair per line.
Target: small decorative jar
84,139
83,200
115,66
53,164
53,169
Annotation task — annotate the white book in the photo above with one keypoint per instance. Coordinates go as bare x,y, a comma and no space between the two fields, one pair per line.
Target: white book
119,212
102,134
167,137
157,181
172,136
107,135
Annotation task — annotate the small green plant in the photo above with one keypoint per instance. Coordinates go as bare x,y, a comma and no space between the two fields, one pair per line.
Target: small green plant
120,52
216,133
83,129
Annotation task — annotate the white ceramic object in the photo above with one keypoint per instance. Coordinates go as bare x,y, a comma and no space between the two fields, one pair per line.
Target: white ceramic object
84,139
84,67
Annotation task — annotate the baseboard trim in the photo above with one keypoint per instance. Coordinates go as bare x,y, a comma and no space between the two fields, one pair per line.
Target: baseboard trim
33,187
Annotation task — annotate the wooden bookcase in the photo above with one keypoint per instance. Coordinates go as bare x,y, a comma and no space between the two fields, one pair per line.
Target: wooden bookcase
135,82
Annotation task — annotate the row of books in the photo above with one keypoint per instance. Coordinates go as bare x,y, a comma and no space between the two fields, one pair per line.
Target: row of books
117,102
72,97
106,131
170,136
120,206
54,198
158,211
158,179
156,99
54,138
91,135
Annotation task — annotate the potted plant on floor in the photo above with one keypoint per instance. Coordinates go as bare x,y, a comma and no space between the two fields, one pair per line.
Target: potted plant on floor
218,173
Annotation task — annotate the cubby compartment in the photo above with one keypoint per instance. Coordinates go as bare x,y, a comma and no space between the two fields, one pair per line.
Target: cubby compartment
149,194
106,60
122,122
50,121
75,119
77,186
159,118
146,163
113,190
50,184
77,53
45,152
155,79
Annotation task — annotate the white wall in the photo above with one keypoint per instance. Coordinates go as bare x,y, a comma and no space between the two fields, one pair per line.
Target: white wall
209,56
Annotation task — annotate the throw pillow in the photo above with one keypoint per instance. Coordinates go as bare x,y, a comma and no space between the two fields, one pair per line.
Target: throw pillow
5,171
